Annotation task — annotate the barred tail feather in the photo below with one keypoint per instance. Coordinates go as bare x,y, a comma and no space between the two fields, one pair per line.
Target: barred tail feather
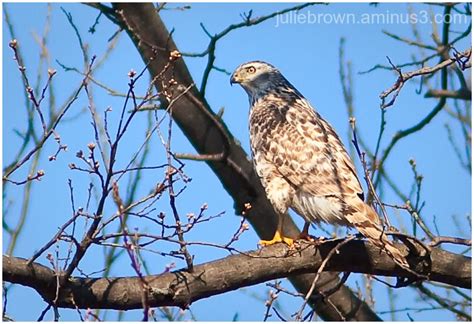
368,225
395,253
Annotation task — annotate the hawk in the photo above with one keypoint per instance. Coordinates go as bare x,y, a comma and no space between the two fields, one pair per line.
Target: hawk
301,161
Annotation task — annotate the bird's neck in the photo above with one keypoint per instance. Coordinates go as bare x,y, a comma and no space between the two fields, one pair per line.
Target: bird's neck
256,93
274,95
267,96
270,89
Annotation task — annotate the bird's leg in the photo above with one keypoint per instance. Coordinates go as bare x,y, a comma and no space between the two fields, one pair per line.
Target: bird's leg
304,233
278,237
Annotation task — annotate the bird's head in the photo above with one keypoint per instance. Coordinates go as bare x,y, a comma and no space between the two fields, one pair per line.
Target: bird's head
256,77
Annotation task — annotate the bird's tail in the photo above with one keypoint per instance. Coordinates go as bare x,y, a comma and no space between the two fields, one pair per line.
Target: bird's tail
369,226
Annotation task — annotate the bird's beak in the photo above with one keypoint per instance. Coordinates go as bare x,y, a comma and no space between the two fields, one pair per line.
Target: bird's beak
234,79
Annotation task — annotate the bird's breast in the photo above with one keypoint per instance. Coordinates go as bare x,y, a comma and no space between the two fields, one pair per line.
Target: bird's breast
264,122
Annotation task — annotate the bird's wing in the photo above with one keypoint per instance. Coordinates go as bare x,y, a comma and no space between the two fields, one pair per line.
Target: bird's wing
318,163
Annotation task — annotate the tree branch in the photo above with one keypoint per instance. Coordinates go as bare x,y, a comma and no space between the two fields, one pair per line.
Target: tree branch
460,58
181,288
463,94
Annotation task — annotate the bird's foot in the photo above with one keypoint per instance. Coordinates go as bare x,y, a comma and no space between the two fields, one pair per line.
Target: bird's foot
276,239
316,241
306,237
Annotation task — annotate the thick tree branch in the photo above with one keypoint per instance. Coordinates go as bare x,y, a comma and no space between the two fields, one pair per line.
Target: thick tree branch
209,136
181,288
463,94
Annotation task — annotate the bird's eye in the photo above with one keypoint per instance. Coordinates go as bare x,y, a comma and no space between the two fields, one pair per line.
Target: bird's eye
251,69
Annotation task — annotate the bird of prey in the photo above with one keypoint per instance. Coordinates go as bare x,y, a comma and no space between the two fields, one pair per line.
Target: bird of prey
301,161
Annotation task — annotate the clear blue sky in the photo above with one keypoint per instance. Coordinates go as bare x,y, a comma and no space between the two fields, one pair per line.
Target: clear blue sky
306,53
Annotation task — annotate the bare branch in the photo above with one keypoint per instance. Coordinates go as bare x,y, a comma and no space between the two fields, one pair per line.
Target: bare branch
461,58
181,288
463,94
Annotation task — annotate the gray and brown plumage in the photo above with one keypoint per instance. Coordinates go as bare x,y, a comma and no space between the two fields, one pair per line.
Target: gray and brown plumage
301,161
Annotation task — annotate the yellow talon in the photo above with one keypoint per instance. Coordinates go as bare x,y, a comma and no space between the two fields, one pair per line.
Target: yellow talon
276,239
